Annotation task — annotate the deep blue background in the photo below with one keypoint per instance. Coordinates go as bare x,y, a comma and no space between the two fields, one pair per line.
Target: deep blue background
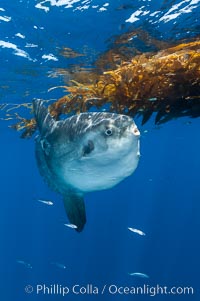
161,197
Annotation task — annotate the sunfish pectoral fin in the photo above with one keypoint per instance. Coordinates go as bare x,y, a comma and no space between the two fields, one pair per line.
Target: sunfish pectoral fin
75,209
44,120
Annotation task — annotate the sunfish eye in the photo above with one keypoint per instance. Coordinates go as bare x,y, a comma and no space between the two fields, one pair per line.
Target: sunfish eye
108,132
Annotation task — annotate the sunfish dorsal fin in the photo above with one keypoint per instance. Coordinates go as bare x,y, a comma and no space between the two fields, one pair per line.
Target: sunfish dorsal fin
43,119
75,209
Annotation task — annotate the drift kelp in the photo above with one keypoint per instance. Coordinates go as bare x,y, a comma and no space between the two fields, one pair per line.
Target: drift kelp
166,82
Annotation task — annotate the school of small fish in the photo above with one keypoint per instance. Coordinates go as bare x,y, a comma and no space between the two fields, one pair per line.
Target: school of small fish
72,226
139,232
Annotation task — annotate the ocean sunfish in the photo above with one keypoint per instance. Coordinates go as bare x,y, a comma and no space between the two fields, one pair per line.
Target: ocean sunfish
83,153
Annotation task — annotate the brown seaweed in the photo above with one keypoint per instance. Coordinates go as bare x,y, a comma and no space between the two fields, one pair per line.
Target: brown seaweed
166,82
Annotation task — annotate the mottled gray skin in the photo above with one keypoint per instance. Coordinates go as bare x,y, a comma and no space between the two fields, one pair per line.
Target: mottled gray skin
86,152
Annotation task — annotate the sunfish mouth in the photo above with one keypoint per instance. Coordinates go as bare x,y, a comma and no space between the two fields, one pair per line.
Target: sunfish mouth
134,130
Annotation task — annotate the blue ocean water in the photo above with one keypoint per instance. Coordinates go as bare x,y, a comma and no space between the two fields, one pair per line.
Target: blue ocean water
161,198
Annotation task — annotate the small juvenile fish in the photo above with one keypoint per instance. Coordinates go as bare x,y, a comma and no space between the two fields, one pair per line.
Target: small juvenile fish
71,226
50,203
27,265
136,231
139,275
59,265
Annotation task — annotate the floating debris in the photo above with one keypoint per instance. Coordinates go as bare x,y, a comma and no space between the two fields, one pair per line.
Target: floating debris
71,226
141,275
136,231
59,265
165,82
50,203
25,264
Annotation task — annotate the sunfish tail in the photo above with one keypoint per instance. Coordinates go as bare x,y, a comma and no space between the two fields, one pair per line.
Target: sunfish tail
75,209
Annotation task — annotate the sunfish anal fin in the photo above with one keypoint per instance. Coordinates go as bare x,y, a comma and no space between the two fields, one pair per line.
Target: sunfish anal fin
75,209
